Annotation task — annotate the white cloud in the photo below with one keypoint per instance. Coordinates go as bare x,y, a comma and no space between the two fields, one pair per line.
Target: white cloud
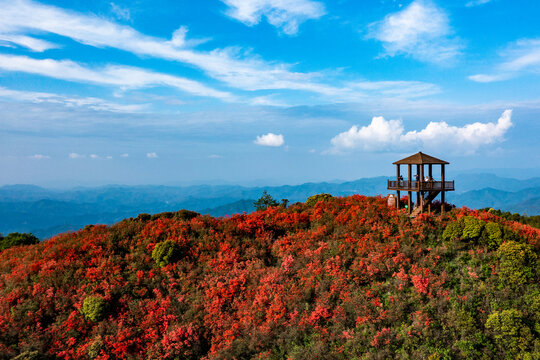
39,157
151,155
215,156
519,58
421,30
237,68
123,76
376,136
389,135
477,2
286,15
75,156
125,155
108,157
28,42
88,102
270,139
94,156
120,12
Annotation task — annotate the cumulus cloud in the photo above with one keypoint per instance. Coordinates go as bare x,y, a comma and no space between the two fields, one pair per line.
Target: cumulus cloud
421,30
125,155
152,155
389,135
270,139
39,157
94,156
75,156
286,15
519,58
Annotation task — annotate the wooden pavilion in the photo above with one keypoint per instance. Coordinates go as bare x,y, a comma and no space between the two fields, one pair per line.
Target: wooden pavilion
425,186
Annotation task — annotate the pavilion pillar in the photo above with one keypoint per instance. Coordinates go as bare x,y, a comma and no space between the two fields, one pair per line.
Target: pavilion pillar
398,184
421,192
409,187
442,189
418,185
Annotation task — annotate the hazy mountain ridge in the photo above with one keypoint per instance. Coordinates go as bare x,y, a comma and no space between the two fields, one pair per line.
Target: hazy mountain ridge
45,212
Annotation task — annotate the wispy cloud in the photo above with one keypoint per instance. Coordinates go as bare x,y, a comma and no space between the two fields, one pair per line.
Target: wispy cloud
122,76
270,139
235,67
39,157
120,12
124,155
421,30
389,135
28,42
152,155
519,58
68,101
75,156
477,2
286,15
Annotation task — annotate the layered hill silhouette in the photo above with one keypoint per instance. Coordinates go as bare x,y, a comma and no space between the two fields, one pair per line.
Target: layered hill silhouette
344,278
44,212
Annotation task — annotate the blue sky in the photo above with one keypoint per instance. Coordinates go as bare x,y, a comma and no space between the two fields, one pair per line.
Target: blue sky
278,91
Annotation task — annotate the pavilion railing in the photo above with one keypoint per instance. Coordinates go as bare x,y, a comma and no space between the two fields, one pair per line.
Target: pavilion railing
414,185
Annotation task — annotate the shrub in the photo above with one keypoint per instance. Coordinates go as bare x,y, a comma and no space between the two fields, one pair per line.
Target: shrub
453,230
512,337
472,228
517,263
29,355
16,239
186,214
312,200
166,252
95,308
494,235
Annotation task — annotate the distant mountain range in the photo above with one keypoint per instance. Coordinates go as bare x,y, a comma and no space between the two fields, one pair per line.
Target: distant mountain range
45,212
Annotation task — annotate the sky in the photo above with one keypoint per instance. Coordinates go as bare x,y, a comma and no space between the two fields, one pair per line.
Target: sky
264,91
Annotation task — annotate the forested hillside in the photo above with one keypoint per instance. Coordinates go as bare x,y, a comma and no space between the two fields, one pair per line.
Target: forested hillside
343,278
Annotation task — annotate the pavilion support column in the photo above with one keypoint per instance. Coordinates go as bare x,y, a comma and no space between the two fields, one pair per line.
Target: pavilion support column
409,187
421,192
398,185
418,186
442,189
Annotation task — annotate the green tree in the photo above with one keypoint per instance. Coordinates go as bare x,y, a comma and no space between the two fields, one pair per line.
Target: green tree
166,252
314,199
95,308
453,230
472,228
15,239
517,263
265,201
512,337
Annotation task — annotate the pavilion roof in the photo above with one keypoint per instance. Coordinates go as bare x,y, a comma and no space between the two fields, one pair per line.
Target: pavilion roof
420,158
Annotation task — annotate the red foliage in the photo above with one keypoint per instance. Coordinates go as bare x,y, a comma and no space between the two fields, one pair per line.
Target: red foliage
337,272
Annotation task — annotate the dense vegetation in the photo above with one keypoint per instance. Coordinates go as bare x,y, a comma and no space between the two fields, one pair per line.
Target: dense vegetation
533,221
342,278
15,239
